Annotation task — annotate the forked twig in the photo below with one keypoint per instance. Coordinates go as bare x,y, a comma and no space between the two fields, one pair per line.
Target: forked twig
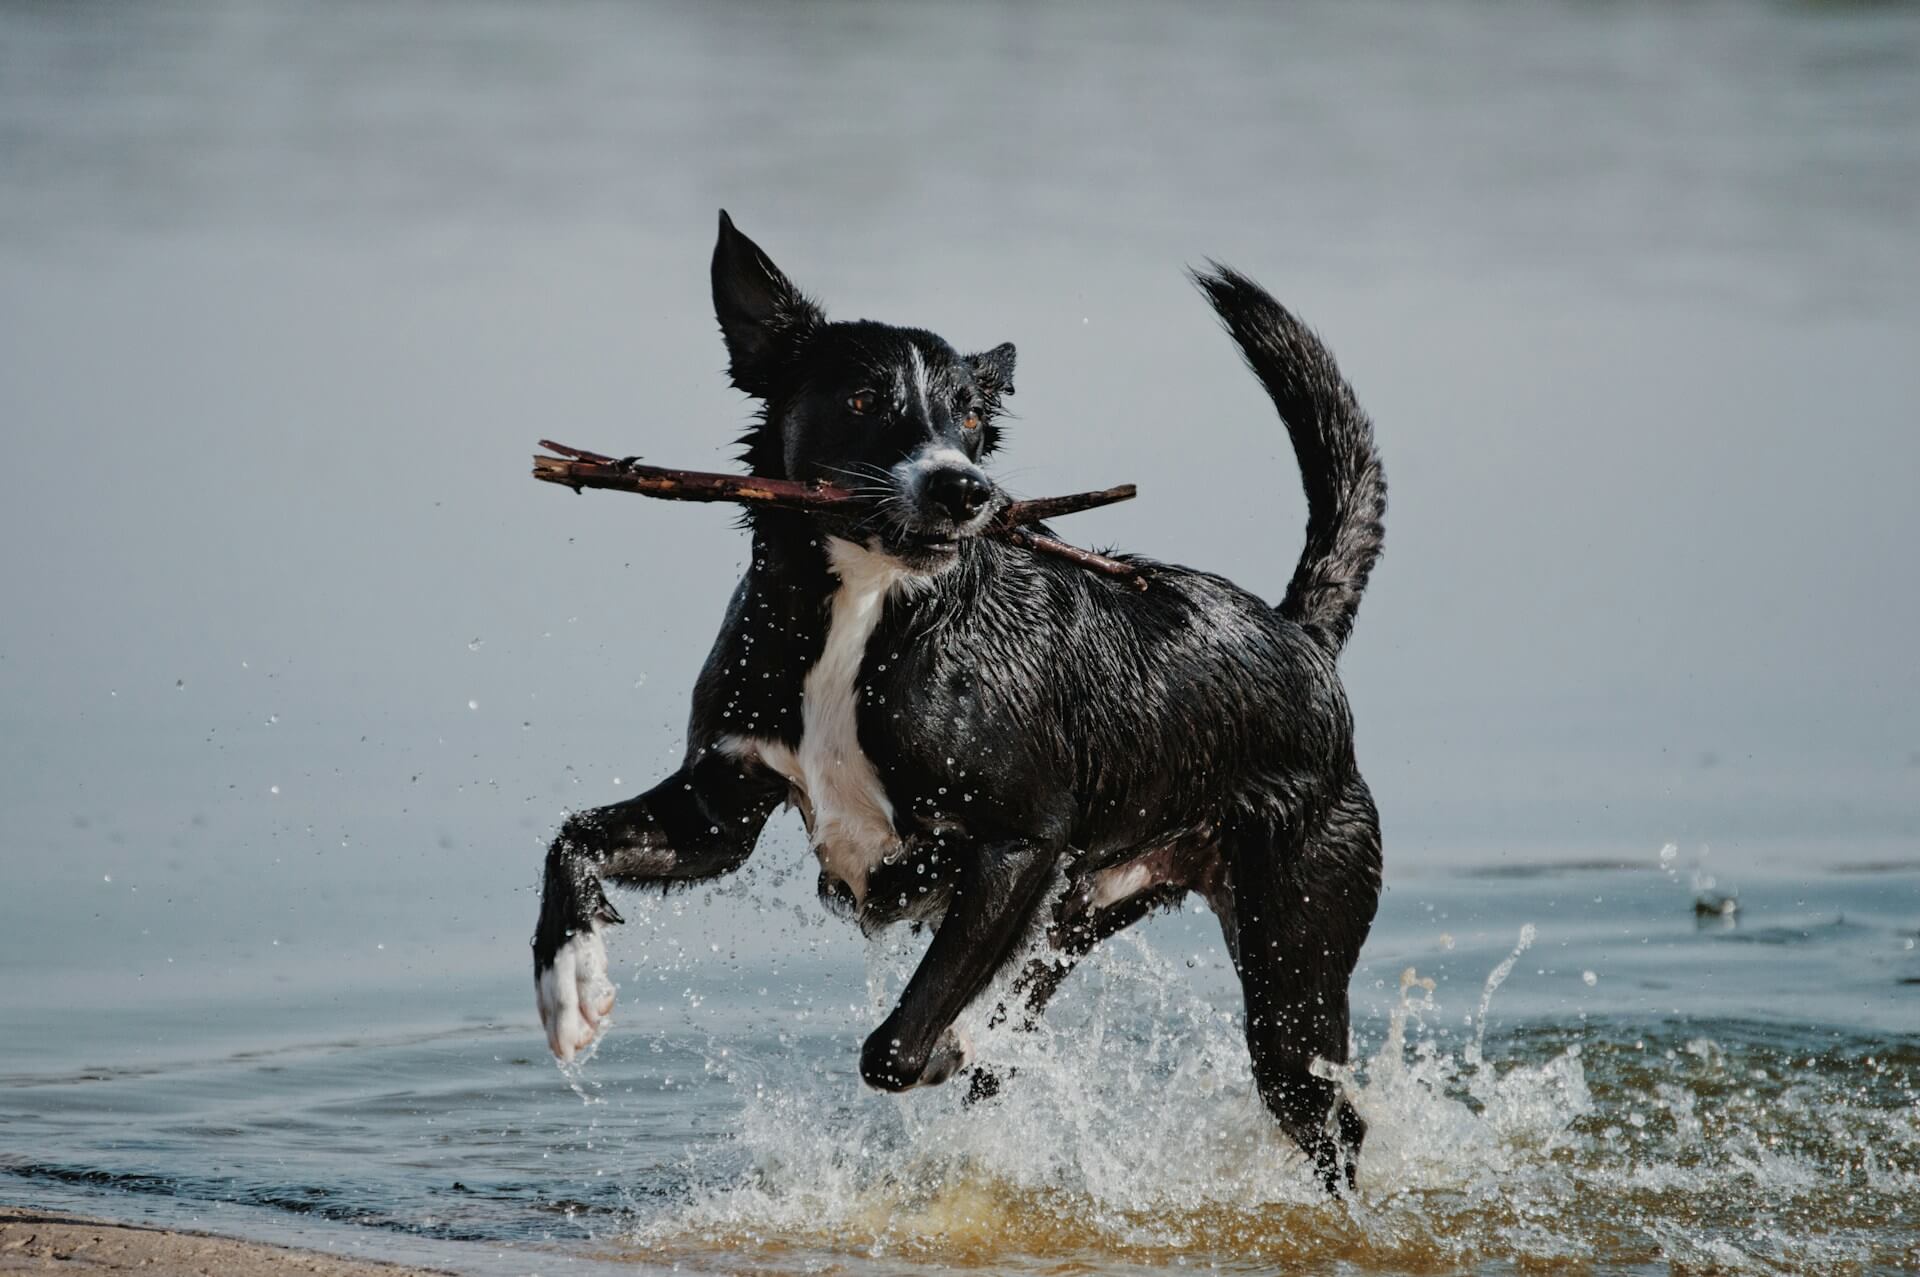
579,469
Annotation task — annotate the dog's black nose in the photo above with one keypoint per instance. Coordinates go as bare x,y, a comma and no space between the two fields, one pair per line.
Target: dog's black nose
960,493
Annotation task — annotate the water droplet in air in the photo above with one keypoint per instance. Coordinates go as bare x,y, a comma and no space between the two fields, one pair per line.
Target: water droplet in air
273,789
1590,978
473,704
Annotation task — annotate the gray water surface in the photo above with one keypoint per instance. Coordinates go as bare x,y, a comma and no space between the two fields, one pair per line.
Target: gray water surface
298,670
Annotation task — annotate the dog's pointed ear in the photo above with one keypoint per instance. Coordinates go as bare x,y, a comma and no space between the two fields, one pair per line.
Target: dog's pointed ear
763,317
993,370
993,377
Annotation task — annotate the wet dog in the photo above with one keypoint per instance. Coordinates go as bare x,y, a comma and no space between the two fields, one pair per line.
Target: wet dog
1000,745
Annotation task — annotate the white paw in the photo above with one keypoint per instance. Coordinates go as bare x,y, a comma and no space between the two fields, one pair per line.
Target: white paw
575,995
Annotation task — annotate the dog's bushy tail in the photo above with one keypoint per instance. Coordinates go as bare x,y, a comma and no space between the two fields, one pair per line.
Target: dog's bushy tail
1333,440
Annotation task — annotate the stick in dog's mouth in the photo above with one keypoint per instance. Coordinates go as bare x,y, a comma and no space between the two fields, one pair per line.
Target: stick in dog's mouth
579,469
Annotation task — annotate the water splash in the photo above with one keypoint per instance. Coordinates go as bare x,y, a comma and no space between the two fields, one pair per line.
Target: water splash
1129,1127
1496,978
1129,1132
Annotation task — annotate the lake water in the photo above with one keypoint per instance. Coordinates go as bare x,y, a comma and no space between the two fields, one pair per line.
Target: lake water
1645,1089
298,671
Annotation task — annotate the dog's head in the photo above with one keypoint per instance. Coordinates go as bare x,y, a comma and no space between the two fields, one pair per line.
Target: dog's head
895,414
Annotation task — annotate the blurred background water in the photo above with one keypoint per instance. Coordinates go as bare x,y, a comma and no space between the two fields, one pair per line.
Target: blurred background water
298,669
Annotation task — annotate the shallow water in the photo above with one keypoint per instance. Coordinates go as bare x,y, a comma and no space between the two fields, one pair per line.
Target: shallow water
1647,1089
298,671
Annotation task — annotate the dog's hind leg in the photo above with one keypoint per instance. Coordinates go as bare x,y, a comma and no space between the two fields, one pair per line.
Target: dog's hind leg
1301,908
1107,901
700,822
1079,926
1044,973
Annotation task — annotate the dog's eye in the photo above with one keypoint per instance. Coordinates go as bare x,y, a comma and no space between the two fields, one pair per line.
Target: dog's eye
862,402
968,412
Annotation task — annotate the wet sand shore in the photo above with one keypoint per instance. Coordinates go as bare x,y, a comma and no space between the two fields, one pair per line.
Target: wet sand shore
45,1241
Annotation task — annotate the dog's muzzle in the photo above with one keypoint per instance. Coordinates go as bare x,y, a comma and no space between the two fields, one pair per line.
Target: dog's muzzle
940,498
958,494
948,498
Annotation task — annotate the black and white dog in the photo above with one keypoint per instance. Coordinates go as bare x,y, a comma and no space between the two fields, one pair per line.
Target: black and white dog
1003,745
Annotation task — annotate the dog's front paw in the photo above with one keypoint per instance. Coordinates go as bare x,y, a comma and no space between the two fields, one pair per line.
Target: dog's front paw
575,995
888,1064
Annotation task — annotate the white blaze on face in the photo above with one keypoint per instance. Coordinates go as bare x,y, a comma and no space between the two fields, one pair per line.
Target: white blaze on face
575,995
852,818
919,381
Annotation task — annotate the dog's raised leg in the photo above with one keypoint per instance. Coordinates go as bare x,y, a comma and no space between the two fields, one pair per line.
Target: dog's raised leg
700,822
999,887
1300,914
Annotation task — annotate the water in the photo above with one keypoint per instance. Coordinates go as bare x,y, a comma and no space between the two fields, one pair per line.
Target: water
298,670
1733,1093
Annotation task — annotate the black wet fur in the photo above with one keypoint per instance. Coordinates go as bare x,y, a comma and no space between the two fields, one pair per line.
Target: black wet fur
1034,724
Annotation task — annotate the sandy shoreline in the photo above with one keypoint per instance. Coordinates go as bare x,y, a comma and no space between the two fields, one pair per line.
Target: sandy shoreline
52,1241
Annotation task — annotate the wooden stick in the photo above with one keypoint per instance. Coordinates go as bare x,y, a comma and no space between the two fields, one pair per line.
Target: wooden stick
1021,513
579,469
1028,539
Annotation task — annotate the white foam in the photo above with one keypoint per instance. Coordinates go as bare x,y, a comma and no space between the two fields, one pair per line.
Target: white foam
1131,1134
1135,1102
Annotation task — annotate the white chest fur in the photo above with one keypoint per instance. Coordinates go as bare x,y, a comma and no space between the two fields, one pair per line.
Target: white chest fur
851,820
